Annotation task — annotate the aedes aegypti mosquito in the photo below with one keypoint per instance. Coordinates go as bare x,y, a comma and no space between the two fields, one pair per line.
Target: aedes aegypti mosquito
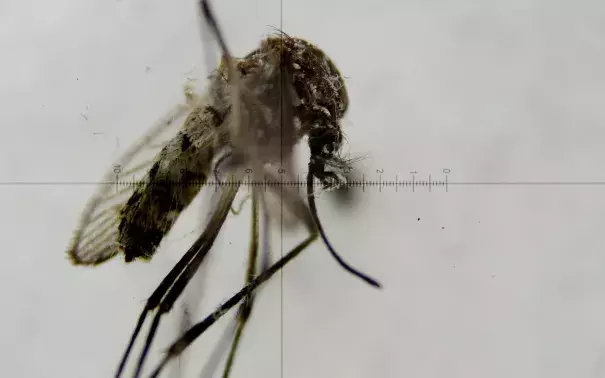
255,111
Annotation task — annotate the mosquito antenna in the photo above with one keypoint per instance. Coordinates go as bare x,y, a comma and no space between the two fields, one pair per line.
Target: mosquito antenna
313,211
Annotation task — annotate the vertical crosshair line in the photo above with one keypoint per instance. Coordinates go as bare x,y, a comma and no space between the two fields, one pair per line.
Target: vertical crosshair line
281,252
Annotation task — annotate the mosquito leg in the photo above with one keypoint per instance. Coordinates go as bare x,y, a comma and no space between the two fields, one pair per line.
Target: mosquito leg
245,308
198,329
191,299
194,332
208,15
174,292
173,284
217,355
154,300
296,204
185,323
220,161
240,206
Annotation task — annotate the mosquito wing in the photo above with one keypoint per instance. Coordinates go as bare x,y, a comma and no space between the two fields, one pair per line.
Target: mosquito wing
97,235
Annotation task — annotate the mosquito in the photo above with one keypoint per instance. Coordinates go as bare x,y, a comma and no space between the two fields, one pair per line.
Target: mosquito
243,130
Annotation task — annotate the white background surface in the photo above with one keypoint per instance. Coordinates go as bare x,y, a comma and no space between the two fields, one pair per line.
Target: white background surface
492,281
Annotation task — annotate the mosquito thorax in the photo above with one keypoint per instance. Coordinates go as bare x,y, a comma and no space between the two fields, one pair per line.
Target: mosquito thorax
318,83
320,98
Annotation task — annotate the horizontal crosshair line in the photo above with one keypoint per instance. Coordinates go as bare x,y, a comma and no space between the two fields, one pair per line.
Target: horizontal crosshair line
383,183
527,183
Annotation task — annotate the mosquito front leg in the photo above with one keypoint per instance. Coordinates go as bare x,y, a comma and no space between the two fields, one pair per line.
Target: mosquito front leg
245,308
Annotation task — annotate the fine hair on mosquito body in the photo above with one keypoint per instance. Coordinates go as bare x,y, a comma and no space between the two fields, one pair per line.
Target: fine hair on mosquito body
243,130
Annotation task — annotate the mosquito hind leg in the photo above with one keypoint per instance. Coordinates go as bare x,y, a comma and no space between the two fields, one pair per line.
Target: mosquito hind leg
183,342
172,286
295,204
198,329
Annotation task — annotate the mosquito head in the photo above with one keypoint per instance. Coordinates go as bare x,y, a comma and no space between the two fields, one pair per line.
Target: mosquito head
323,102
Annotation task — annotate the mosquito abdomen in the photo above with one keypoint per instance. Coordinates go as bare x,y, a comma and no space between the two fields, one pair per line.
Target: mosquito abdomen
176,177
